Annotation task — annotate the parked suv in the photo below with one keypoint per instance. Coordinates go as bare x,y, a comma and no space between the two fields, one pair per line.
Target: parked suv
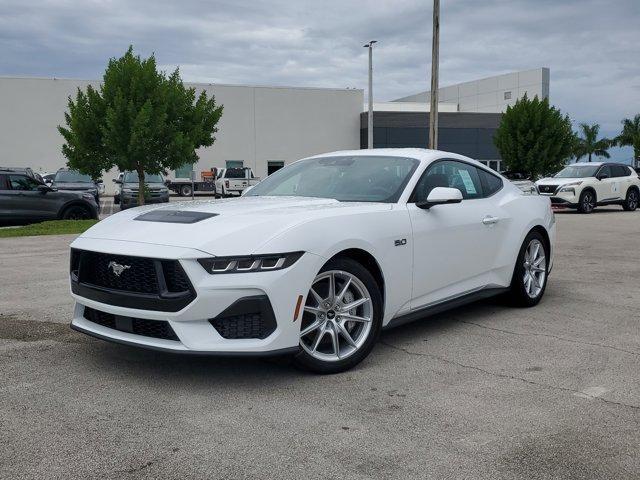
23,199
587,185
127,195
66,179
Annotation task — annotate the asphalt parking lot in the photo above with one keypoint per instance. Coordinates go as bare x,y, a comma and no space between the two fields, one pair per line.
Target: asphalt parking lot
482,392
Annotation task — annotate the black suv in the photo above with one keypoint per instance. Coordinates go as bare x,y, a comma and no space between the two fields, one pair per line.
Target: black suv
73,180
23,199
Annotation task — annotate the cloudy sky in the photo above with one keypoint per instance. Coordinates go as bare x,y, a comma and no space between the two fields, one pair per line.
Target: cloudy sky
591,46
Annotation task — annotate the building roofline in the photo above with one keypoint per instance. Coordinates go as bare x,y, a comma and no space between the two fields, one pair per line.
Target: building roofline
197,84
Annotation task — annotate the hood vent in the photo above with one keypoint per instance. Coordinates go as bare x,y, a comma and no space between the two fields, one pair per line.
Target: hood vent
174,216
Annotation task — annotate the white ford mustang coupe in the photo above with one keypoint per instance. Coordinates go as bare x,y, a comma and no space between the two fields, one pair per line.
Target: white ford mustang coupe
315,260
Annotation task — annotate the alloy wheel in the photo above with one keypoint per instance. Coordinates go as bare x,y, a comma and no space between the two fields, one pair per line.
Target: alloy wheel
632,201
337,316
587,202
535,268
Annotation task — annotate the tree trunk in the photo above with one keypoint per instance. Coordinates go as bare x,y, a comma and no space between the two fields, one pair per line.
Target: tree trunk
140,186
589,157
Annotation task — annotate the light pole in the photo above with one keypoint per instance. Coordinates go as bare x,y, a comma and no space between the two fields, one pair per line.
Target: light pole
370,114
435,47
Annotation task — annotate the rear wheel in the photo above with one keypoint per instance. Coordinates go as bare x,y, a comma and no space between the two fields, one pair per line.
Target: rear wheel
342,318
587,202
631,202
530,273
76,212
186,190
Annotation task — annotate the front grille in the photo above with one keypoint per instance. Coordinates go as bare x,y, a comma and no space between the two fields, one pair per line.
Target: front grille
137,275
249,317
132,282
547,188
139,326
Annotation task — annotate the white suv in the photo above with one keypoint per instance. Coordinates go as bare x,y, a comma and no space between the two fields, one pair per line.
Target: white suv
587,185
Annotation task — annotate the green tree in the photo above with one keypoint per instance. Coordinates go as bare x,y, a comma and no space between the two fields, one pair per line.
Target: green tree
588,144
139,119
534,137
630,136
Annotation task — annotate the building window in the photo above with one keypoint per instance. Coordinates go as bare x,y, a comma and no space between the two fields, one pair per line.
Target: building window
507,95
273,167
234,163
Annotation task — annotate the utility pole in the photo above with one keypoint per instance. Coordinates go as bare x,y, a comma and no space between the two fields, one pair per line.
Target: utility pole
435,47
370,114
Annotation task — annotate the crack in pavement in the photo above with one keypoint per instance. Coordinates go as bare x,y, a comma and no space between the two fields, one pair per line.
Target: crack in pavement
579,342
507,377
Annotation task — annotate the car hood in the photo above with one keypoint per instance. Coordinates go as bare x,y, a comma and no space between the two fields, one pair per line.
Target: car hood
74,186
558,181
240,225
154,187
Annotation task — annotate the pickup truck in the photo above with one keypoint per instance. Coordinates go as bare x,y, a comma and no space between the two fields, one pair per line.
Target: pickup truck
233,181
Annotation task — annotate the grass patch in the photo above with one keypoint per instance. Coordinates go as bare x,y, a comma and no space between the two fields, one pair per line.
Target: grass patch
55,227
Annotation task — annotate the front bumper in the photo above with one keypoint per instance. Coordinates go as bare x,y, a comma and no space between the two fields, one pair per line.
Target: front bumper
215,294
561,200
127,201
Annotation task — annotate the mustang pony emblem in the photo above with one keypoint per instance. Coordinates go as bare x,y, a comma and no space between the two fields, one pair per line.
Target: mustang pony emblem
117,268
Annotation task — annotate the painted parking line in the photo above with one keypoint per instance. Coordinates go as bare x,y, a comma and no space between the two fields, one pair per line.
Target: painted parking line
591,392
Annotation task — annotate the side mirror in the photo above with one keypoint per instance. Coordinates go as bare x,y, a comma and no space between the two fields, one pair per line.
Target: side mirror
167,183
441,196
44,188
116,180
602,176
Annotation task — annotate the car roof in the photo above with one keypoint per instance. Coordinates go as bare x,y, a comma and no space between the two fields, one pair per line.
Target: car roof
421,154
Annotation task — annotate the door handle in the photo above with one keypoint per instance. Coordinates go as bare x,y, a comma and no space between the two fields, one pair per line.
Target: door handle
489,220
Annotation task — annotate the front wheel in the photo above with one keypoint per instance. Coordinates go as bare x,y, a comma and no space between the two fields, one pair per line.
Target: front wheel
631,202
342,318
76,212
530,273
587,202
185,190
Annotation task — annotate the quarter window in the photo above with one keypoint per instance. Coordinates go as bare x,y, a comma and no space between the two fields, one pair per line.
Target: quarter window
451,174
490,183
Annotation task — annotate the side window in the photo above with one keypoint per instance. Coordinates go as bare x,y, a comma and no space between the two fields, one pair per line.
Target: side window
620,171
22,182
490,183
452,174
3,183
605,170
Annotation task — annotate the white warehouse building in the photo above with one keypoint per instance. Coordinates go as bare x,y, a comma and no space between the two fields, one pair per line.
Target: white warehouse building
262,127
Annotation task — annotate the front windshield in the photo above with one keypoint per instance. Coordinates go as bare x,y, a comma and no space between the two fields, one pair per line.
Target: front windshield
577,171
71,176
132,177
347,179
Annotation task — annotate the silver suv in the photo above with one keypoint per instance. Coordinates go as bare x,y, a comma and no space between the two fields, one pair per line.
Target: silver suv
24,199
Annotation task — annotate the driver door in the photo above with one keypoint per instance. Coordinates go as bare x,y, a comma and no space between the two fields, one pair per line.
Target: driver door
454,246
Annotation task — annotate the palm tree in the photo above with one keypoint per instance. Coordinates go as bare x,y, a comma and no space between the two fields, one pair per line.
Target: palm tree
630,136
588,143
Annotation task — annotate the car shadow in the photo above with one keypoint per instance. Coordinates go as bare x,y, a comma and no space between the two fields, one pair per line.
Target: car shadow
173,369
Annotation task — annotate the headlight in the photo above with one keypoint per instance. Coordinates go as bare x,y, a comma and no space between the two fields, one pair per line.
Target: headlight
88,196
249,263
568,187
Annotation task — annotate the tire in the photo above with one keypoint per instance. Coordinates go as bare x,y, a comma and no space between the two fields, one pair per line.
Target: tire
362,323
587,202
76,212
185,191
524,292
631,201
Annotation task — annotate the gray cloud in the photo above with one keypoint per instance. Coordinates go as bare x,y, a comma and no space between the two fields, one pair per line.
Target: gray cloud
591,46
